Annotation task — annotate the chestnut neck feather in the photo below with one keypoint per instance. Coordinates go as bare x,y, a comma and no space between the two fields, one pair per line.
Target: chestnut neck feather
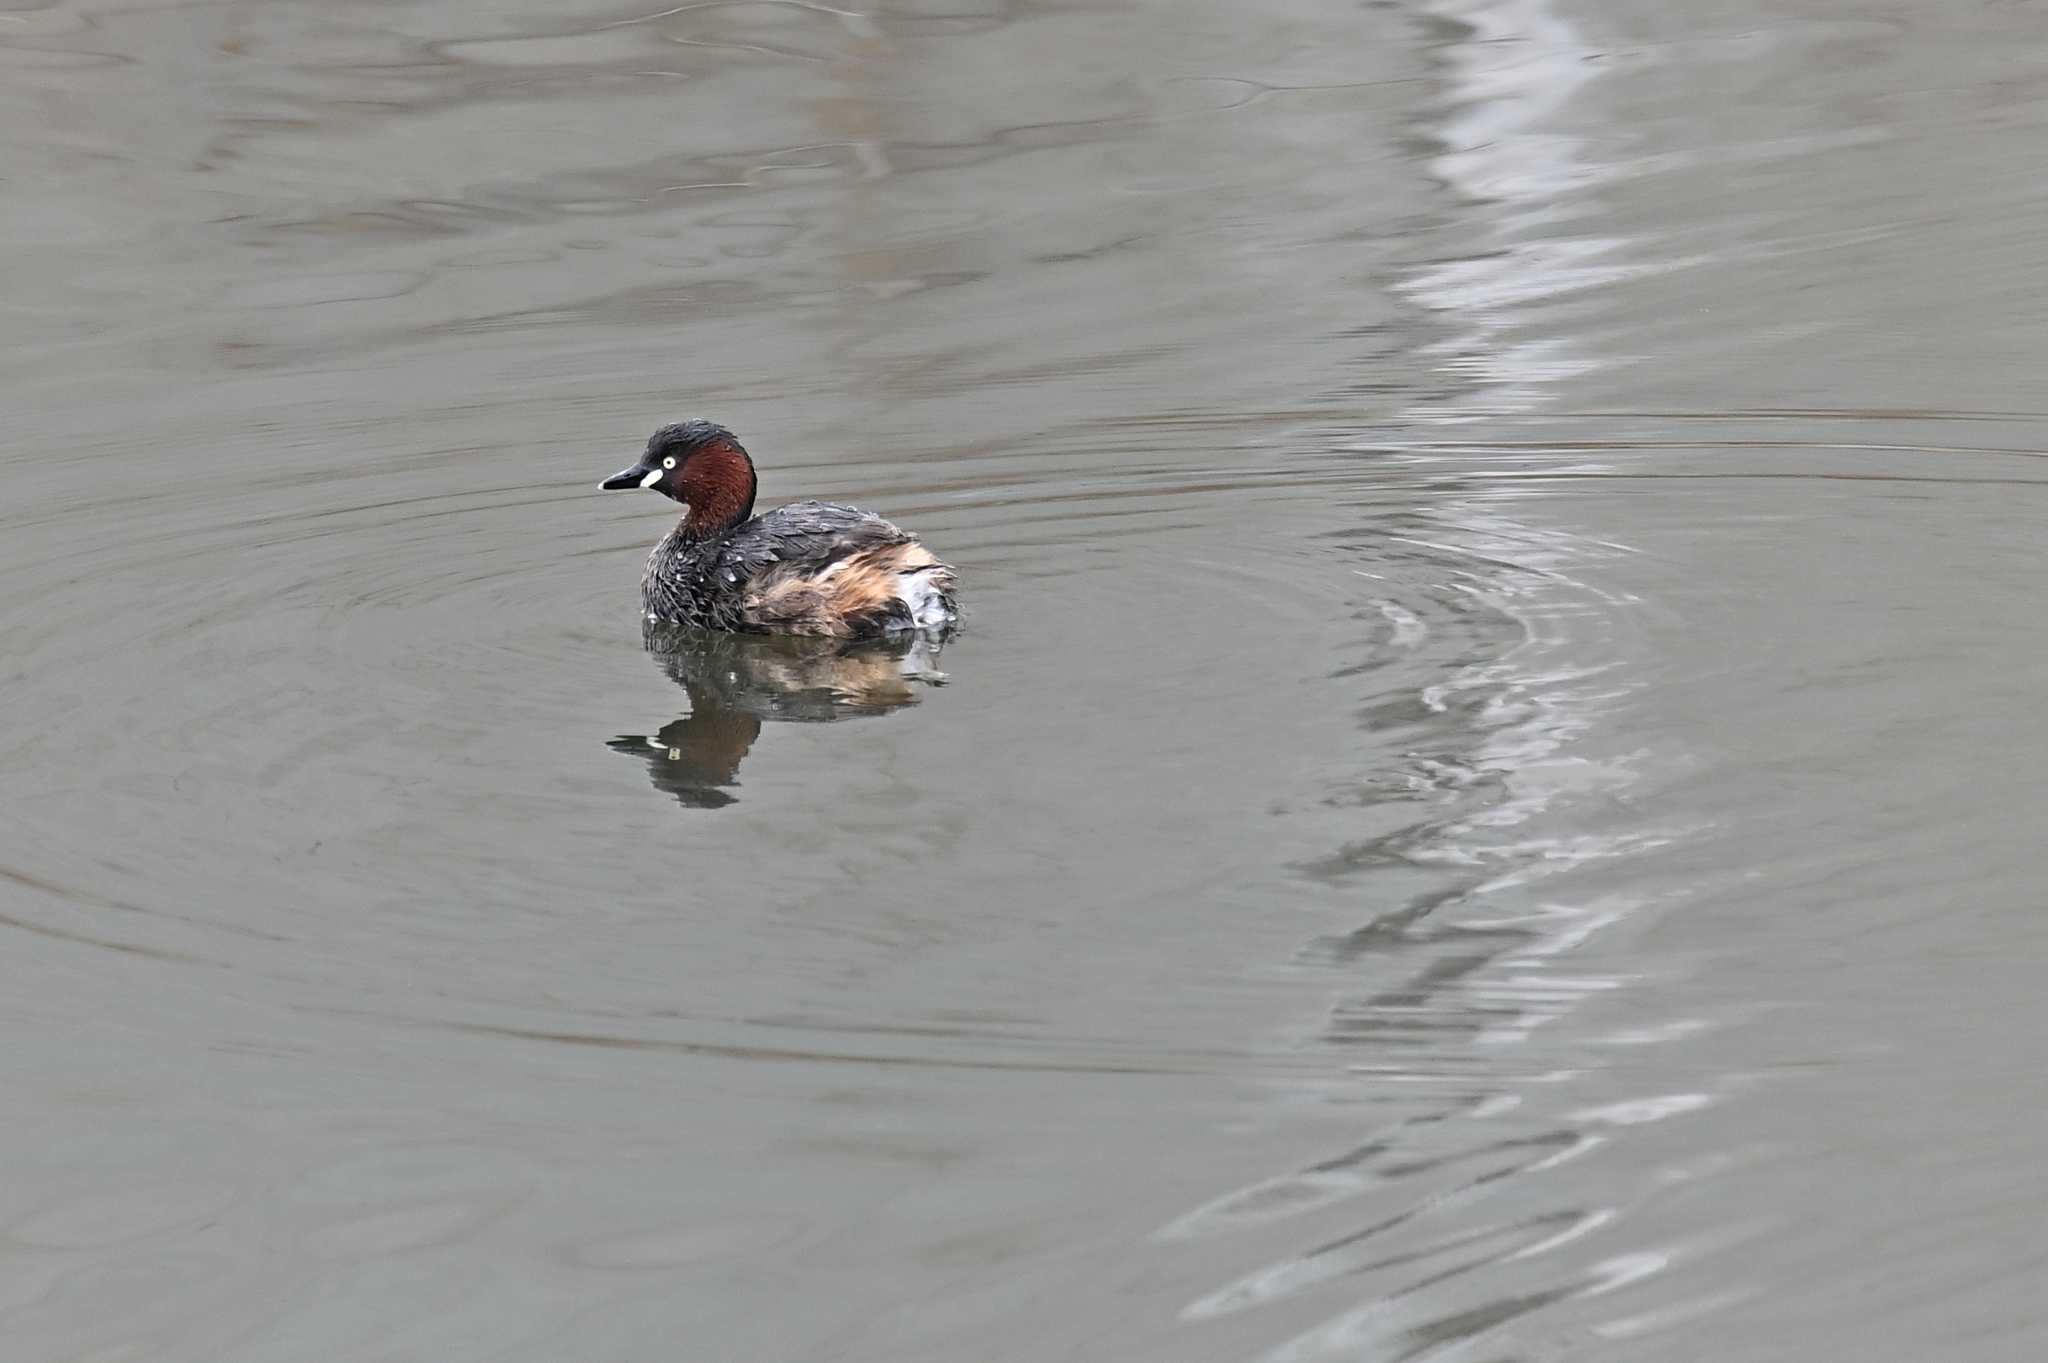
718,482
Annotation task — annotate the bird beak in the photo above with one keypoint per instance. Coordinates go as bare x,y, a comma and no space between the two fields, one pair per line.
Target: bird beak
637,476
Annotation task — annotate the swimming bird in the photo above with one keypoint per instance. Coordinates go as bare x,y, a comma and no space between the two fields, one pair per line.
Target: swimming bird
806,568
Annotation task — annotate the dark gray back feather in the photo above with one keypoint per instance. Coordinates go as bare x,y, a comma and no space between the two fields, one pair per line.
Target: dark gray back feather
707,583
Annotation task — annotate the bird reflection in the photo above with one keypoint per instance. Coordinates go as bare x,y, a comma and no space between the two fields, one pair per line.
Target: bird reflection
737,682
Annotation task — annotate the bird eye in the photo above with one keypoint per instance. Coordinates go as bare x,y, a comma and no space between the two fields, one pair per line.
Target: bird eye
669,462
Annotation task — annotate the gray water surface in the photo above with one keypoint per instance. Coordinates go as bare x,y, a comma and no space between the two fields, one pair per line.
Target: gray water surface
1487,808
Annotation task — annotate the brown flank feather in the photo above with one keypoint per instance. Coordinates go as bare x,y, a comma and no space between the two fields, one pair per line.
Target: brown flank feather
850,598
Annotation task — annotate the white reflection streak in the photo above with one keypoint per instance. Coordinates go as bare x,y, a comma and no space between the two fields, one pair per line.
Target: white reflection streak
1522,64
1509,76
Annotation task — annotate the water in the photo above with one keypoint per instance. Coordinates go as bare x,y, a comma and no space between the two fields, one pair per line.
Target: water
1487,808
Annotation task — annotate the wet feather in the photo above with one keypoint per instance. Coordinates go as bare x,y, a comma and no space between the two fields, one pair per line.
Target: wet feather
816,568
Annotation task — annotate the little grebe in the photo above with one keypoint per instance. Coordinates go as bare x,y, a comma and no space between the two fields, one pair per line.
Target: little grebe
806,568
